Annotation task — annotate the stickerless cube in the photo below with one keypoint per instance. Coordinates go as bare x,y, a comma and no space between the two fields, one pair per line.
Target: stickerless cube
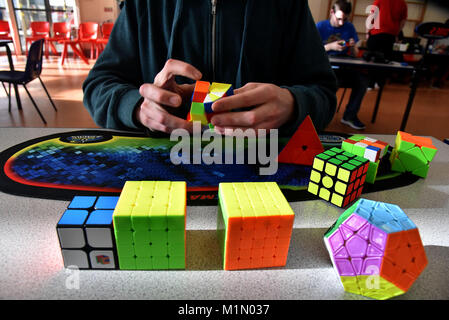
376,250
412,154
149,225
254,225
372,149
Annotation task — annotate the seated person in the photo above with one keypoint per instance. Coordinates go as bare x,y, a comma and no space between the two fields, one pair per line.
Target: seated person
339,38
145,76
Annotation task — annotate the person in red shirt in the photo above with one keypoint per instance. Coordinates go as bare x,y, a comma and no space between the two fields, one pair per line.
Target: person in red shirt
391,15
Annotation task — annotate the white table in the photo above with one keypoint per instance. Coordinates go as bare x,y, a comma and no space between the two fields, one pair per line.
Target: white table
32,268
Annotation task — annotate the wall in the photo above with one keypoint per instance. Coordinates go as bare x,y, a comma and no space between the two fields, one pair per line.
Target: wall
98,10
319,9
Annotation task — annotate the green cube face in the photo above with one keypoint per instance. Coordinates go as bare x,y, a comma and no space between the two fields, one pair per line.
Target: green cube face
412,154
338,176
149,225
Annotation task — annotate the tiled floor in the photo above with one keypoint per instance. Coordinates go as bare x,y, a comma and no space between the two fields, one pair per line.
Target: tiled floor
429,116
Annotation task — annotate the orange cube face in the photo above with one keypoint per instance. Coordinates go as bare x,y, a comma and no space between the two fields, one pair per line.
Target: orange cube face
255,224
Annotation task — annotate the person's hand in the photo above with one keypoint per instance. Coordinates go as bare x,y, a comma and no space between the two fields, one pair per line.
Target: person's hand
351,42
165,94
335,46
272,107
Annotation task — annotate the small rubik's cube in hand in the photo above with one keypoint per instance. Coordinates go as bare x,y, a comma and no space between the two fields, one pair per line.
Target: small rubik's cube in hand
368,148
204,95
149,225
376,250
254,225
412,154
86,234
338,176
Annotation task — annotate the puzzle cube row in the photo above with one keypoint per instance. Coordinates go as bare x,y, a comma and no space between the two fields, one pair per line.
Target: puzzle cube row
204,95
144,228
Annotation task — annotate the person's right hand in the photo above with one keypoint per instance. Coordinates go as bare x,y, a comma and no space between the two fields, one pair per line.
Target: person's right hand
165,94
335,46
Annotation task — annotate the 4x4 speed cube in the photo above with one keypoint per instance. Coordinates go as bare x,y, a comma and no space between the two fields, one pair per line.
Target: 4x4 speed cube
338,176
149,225
86,234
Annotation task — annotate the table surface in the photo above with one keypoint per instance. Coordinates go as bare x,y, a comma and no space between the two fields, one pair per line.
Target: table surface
342,61
32,268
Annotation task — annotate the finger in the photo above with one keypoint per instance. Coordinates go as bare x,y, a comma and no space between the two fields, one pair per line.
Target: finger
249,98
250,118
247,87
159,95
176,68
168,120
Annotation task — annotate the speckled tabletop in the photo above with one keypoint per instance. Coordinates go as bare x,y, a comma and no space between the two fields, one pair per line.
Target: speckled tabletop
32,268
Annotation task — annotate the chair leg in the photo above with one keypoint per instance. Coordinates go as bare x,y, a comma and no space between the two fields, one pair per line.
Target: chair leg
341,99
8,94
48,95
35,105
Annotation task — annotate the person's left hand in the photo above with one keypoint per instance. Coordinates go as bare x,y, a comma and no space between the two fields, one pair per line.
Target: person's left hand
351,42
272,107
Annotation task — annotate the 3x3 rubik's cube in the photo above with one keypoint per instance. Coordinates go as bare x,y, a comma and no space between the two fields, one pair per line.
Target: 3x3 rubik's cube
204,95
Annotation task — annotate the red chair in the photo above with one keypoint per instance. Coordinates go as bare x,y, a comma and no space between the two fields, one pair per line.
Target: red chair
61,31
5,32
88,33
39,30
106,29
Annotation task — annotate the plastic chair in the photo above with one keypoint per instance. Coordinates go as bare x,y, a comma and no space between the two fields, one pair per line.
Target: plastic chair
106,29
88,33
5,33
32,71
39,30
61,31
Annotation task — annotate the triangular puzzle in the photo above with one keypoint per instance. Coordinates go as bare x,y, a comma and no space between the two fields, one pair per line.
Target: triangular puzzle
303,146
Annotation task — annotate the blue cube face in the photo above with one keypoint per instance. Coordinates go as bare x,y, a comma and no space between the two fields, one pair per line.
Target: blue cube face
100,217
106,203
73,217
82,202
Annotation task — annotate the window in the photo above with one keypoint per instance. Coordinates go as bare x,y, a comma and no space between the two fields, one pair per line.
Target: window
3,12
28,11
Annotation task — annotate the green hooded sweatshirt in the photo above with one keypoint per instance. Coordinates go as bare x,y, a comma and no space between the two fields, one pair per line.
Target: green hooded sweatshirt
254,41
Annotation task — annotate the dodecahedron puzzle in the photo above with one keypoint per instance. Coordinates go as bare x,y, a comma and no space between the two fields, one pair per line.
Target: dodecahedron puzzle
376,250
149,225
412,154
204,95
85,233
254,225
338,176
372,149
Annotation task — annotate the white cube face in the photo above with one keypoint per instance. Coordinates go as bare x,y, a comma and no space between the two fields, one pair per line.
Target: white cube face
71,238
371,155
99,237
76,258
102,259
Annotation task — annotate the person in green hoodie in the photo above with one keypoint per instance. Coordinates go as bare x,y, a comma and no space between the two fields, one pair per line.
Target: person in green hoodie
270,51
